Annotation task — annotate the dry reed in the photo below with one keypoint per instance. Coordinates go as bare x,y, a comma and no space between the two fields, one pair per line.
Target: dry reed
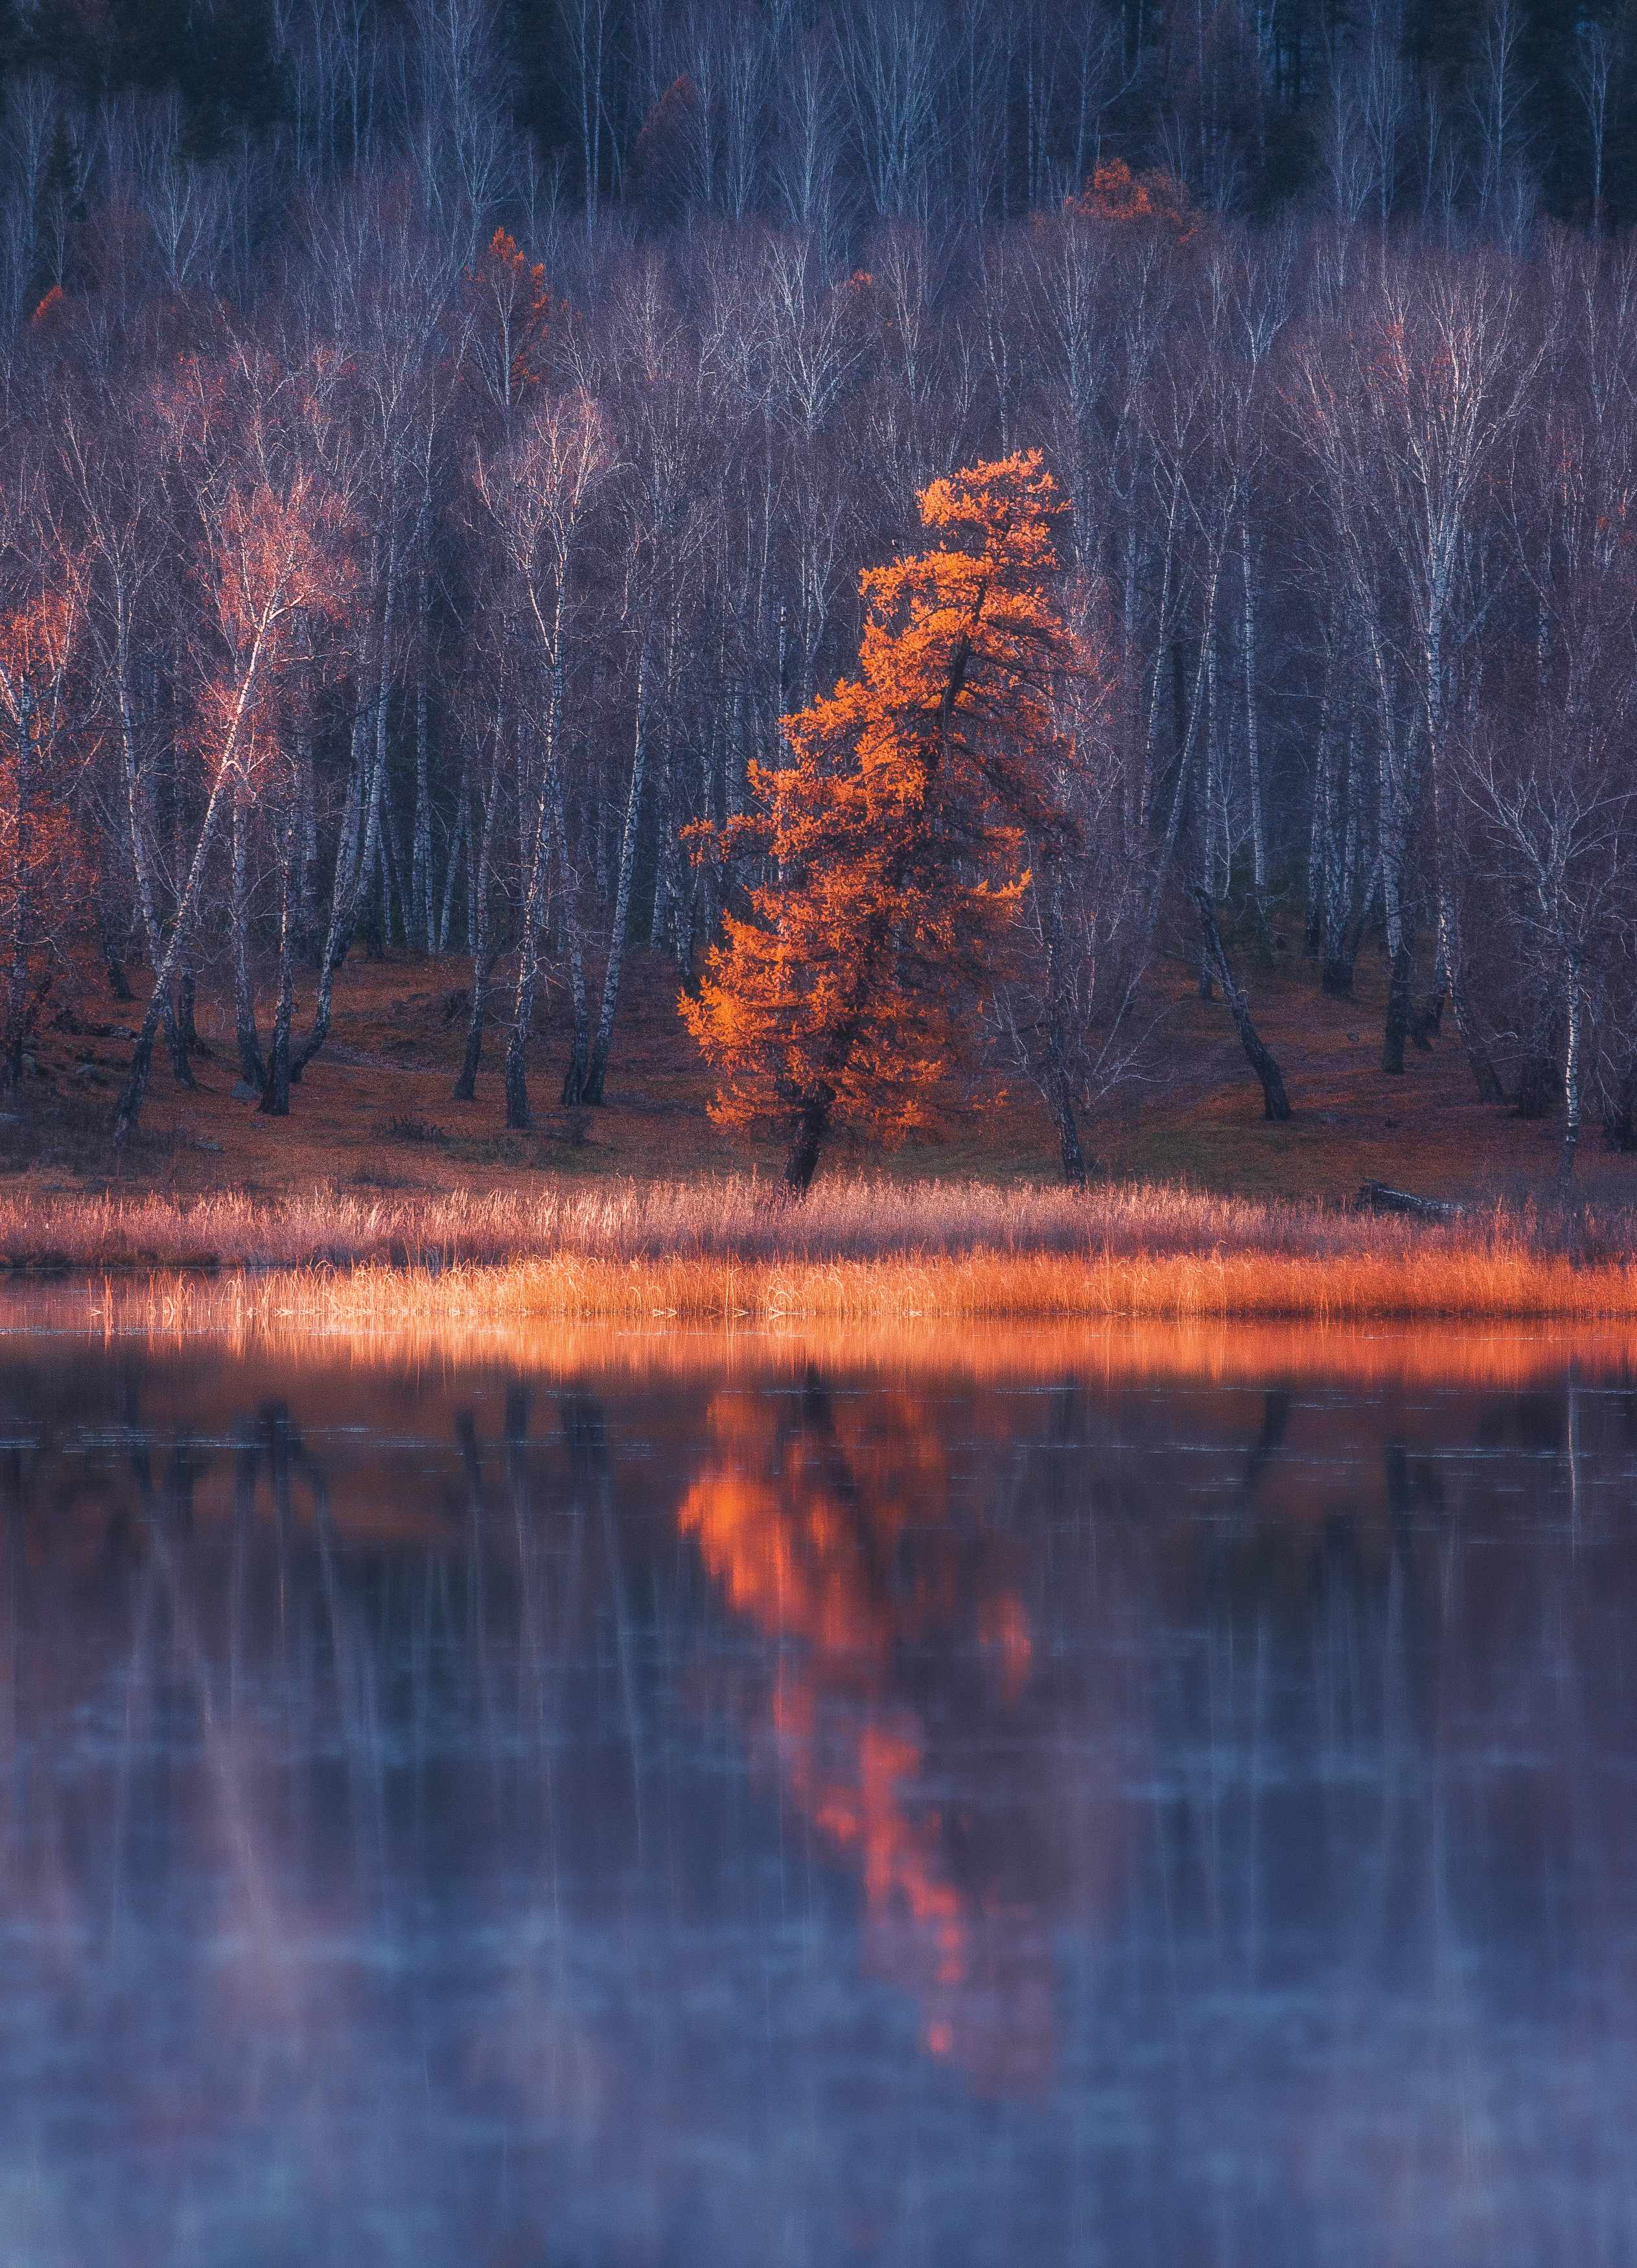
857,1251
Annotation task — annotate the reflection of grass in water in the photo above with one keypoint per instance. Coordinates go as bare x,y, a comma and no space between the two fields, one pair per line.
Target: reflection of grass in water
1503,1358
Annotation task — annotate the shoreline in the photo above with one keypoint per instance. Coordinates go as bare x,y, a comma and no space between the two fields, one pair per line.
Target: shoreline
859,1251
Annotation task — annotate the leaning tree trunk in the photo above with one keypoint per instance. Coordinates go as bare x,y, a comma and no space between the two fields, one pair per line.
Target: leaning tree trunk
127,1111
457,844
1275,1103
142,864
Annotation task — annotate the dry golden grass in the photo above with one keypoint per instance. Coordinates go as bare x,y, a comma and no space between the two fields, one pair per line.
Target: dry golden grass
720,1253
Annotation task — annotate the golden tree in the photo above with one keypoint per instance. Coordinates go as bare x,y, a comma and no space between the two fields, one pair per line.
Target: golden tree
900,835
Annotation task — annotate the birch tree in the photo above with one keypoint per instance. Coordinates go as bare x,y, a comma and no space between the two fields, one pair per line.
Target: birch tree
540,492
266,553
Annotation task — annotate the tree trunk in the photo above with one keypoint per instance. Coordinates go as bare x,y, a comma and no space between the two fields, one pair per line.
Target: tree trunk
252,1070
22,859
597,1068
574,1077
1485,1077
1070,1155
396,879
119,983
457,841
1058,1087
1336,969
483,958
1397,1027
307,941
1253,755
127,1111
112,935
275,1089
1275,1104
661,863
548,833
534,857
1345,906
141,854
348,884
421,856
1539,1083
668,882
1571,1079
807,1139
1619,1112
1321,850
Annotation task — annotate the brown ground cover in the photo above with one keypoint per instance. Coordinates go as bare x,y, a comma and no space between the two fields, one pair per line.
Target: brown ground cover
375,1117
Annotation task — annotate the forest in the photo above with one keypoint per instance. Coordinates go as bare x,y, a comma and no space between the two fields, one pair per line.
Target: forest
441,448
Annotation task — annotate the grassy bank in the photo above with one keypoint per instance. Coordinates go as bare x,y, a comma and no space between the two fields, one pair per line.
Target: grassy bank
723,1252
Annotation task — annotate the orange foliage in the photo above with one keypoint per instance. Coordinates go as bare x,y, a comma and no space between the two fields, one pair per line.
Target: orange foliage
42,865
901,832
1114,192
512,313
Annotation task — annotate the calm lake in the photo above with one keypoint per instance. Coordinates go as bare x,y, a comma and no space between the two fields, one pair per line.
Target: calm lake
991,1797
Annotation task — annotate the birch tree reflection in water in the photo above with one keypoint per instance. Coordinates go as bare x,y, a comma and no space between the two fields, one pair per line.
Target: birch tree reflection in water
660,1811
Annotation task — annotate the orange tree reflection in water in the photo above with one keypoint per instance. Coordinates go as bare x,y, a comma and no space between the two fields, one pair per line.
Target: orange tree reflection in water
901,1657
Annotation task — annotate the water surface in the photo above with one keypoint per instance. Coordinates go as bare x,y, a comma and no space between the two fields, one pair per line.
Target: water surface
979,1798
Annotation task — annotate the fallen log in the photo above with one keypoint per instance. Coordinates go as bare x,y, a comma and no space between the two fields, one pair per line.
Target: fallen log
1376,1197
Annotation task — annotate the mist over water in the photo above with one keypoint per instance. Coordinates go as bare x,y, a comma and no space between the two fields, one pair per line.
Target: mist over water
1027,1798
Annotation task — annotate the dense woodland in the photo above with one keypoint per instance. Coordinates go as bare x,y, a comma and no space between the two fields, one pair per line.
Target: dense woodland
441,446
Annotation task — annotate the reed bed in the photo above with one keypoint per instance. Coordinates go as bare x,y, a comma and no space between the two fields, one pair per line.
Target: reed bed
863,1217
856,1251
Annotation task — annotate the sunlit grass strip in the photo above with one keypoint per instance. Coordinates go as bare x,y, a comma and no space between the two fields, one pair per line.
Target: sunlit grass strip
1473,1283
1004,1246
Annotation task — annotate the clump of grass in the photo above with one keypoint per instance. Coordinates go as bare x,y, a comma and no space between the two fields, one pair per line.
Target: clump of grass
407,1128
857,1249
